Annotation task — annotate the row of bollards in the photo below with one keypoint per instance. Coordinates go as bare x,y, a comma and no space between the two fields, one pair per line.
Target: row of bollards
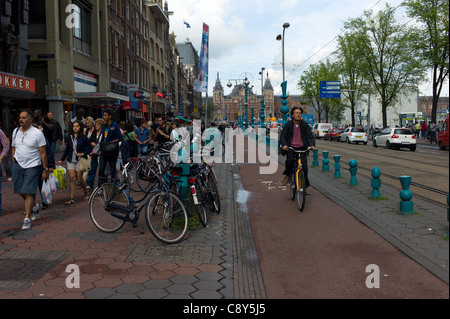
406,203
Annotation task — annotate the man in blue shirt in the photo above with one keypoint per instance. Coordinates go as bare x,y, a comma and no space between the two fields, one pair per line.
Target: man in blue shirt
110,133
143,136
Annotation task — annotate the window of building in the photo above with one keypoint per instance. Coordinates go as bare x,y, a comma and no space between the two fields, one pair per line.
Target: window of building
82,39
37,22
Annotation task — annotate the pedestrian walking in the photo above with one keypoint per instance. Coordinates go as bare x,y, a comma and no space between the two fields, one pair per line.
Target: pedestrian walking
6,161
417,127
142,137
433,130
45,123
109,146
423,130
51,166
95,141
57,134
4,150
163,132
77,149
29,162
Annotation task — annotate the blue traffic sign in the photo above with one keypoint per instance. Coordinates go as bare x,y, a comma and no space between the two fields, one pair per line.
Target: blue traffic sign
330,89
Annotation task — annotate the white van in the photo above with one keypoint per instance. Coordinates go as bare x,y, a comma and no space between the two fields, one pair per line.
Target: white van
319,129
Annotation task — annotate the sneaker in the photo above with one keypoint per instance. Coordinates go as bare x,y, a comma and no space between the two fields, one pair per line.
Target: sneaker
44,206
36,208
35,216
26,224
285,180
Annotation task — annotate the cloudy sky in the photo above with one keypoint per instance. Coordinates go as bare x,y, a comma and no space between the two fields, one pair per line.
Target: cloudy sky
243,34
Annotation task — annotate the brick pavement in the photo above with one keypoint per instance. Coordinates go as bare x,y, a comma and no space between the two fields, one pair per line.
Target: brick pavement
125,264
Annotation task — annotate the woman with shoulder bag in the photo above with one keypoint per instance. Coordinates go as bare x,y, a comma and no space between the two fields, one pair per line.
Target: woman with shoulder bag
77,147
96,139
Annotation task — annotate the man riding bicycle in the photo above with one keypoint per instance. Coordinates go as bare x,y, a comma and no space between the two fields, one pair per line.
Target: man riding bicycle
298,135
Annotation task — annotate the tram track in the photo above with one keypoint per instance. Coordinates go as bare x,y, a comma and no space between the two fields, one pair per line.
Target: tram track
431,189
428,170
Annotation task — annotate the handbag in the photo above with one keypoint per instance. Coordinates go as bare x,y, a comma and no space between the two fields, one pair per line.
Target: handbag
109,149
96,150
85,164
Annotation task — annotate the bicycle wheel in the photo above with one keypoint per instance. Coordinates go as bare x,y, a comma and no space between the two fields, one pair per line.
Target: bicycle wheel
145,177
101,214
301,192
293,184
166,217
214,192
132,174
201,205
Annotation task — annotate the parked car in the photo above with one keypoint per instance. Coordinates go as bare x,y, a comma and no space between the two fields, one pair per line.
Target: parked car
319,129
396,138
443,136
333,134
353,135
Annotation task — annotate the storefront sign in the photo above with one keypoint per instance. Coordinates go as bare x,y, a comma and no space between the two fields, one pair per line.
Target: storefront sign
15,82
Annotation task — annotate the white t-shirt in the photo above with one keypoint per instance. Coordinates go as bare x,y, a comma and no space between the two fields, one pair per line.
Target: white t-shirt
27,146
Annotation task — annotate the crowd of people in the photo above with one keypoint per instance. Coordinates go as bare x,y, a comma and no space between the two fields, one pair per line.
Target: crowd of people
91,147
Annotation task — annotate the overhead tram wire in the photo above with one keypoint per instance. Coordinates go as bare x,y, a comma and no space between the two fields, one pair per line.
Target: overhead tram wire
314,54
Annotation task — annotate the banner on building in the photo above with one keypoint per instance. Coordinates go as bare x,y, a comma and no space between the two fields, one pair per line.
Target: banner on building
201,83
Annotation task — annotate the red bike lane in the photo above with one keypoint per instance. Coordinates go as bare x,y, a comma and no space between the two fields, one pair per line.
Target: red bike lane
323,252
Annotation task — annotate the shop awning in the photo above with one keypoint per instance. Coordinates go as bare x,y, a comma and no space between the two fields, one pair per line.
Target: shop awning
182,118
97,97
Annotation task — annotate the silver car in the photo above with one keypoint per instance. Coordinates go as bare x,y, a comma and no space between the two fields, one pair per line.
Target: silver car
354,135
396,138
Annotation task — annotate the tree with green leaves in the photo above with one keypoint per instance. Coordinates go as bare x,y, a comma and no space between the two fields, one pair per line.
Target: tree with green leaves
388,58
353,80
431,40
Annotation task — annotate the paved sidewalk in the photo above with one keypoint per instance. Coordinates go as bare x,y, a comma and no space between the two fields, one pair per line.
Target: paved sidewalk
126,264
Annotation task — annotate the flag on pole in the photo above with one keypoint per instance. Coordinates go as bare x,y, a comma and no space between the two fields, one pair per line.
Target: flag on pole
186,24
201,83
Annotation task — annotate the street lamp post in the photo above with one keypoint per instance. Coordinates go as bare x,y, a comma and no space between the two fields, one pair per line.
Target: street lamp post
262,115
246,83
284,96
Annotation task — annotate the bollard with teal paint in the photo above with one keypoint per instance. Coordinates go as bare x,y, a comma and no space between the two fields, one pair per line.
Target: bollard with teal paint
353,168
375,183
406,205
325,162
316,157
337,166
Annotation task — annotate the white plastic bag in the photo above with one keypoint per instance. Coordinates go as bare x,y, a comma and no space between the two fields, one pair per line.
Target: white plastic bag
46,193
53,181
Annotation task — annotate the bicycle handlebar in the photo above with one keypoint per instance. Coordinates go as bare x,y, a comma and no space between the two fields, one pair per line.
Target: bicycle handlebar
299,151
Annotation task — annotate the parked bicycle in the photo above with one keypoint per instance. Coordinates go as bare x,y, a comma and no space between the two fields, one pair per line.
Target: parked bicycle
112,205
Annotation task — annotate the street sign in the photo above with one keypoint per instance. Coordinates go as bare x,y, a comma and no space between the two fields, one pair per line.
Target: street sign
330,89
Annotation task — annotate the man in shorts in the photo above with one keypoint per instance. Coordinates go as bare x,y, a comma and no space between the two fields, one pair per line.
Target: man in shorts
29,156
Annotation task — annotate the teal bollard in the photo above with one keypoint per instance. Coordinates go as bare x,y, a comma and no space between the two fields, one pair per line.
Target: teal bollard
325,162
353,168
316,157
406,205
337,166
375,183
